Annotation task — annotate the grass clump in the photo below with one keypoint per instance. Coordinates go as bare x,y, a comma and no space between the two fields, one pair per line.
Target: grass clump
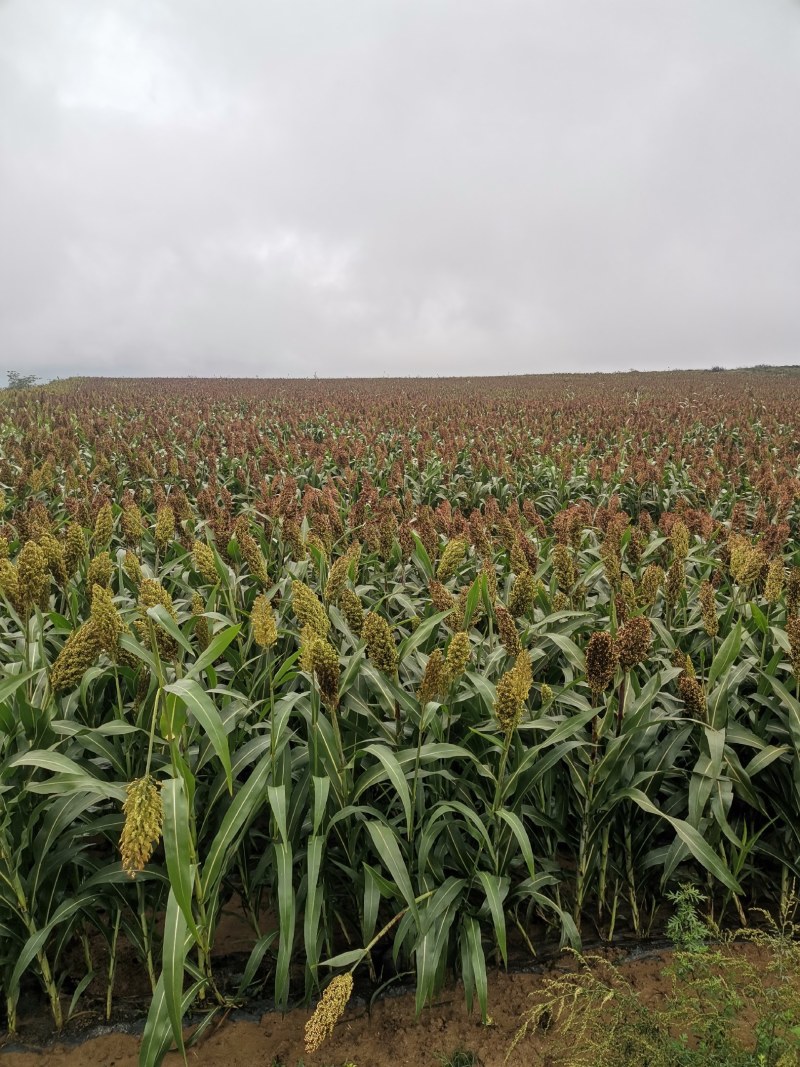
724,1006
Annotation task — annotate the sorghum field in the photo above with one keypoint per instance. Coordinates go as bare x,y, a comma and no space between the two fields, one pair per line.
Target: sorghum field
416,675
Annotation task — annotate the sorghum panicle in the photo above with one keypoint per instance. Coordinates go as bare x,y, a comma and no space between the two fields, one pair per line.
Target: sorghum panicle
380,643
601,661
522,594
633,642
144,815
507,629
262,622
328,1011
308,609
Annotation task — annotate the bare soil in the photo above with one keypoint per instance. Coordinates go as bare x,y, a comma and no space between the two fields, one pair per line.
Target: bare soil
386,1036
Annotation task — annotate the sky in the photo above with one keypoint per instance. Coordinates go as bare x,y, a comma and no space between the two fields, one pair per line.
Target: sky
402,187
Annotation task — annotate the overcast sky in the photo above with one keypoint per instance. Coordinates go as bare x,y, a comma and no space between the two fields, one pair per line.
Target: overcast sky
245,187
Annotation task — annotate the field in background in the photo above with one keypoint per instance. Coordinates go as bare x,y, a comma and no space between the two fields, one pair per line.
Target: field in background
417,677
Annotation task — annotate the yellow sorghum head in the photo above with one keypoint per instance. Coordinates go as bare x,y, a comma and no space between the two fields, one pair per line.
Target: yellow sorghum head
352,610
5,548
601,661
612,563
100,570
9,583
522,593
454,552
773,586
79,653
103,526
650,583
262,621
442,599
380,643
144,815
708,609
252,553
328,1011
564,568
201,622
339,572
793,591
74,547
560,602
313,540
325,663
165,526
793,633
693,695
107,619
132,525
204,562
132,567
679,538
754,563
675,582
458,653
54,552
547,693
512,692
151,594
308,609
507,629
306,659
434,680
33,576
487,568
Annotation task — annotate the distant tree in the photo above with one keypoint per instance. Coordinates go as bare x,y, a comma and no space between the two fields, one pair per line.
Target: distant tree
21,381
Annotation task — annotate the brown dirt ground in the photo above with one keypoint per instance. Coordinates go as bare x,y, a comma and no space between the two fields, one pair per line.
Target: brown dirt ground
388,1036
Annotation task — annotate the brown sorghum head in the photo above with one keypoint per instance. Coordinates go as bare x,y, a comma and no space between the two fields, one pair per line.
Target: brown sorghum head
675,582
522,594
633,642
601,661
793,633
693,695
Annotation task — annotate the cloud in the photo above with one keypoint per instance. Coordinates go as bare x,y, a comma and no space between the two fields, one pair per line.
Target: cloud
390,187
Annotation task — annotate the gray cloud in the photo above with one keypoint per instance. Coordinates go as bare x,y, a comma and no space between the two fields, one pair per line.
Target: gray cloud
417,186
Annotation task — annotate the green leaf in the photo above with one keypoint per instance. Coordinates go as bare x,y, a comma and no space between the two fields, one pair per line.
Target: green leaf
214,650
496,889
385,842
286,923
173,954
177,847
691,837
204,710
